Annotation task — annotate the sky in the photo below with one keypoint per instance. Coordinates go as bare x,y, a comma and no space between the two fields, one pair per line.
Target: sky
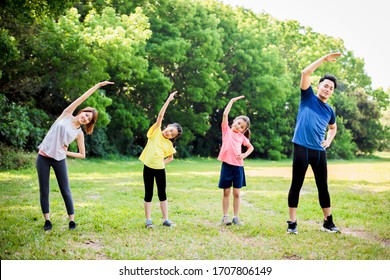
363,25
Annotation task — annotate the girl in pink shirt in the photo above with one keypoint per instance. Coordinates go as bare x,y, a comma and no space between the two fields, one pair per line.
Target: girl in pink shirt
232,170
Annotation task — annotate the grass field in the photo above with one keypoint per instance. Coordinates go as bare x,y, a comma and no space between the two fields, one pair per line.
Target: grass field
108,196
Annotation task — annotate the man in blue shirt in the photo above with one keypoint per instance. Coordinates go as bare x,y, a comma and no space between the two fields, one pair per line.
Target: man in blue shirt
315,116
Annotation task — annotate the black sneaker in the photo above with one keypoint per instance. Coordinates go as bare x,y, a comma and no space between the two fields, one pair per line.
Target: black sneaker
72,225
292,227
47,226
329,226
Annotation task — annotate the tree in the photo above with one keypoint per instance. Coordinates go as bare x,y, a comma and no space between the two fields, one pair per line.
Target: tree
207,51
361,115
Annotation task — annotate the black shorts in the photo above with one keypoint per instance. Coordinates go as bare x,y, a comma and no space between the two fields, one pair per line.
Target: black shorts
231,175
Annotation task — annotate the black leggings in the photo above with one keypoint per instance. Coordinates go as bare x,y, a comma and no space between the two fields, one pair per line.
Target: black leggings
317,159
61,171
149,175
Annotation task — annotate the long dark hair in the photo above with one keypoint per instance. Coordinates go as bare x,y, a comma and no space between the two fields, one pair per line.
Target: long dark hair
247,132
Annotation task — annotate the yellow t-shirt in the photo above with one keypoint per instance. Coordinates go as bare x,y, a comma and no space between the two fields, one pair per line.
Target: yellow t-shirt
157,149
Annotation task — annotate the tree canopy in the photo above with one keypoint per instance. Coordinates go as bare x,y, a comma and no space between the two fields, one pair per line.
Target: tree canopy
53,51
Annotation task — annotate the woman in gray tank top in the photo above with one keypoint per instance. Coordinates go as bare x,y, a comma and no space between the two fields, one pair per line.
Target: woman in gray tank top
54,149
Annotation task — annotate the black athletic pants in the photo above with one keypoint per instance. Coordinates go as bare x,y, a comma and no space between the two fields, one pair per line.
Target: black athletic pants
317,159
61,171
149,175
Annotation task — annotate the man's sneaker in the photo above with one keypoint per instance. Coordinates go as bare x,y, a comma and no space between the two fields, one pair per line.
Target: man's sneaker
237,221
48,225
149,224
72,225
329,226
226,221
292,227
168,223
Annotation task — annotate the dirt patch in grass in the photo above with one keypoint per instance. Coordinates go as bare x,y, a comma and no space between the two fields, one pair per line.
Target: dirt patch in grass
385,241
97,247
365,235
292,257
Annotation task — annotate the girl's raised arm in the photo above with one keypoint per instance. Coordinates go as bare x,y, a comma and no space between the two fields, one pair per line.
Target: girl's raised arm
163,109
228,107
70,109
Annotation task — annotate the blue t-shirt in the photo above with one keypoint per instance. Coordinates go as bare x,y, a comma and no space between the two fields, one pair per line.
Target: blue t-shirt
313,118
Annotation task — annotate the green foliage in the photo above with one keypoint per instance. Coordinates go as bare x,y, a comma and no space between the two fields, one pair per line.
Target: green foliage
384,144
40,124
14,123
8,48
186,46
33,9
361,115
342,146
128,127
60,44
15,159
18,20
20,126
96,145
207,51
382,98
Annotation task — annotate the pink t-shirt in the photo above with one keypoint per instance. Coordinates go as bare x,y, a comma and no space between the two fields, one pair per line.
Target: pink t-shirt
231,146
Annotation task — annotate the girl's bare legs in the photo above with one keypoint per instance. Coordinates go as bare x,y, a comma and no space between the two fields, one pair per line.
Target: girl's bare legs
164,209
225,201
236,202
148,210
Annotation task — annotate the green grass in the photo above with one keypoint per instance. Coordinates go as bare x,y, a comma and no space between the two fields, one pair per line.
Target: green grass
108,198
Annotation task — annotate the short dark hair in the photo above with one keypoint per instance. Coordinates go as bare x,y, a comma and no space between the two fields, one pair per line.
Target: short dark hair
331,78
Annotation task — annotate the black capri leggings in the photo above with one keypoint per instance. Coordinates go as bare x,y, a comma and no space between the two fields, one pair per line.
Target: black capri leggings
61,171
149,175
317,159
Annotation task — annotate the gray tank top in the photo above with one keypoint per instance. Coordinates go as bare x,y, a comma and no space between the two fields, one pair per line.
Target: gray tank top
61,134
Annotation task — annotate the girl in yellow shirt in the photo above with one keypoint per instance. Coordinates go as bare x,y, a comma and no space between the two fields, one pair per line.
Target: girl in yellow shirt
157,153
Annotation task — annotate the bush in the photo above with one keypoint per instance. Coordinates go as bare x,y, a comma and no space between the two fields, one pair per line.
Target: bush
14,123
275,155
22,127
14,159
96,145
342,146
